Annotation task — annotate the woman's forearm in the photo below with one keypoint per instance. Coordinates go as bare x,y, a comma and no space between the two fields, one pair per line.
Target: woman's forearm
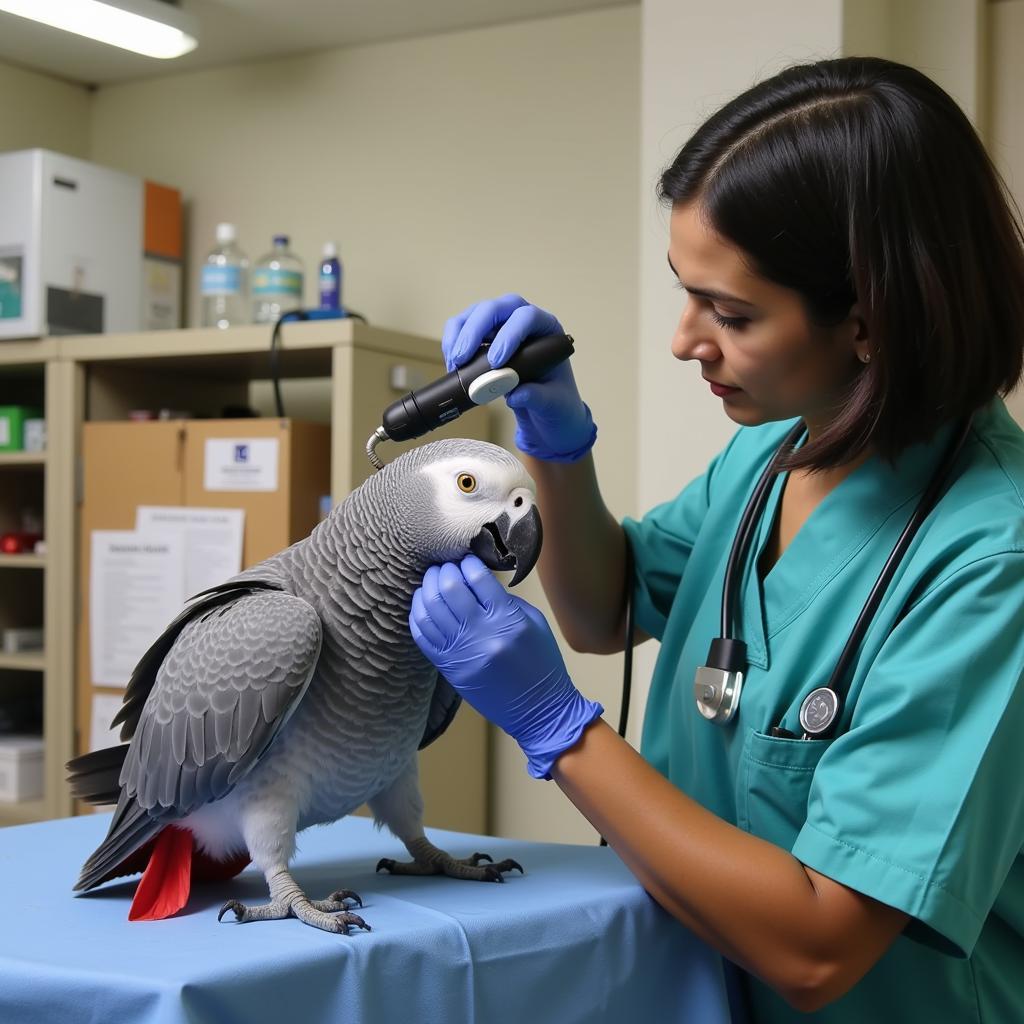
582,563
749,899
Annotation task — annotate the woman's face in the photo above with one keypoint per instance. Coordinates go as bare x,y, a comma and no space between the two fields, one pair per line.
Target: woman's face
753,336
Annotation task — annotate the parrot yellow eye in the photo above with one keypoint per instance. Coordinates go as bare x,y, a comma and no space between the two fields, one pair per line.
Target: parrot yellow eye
467,483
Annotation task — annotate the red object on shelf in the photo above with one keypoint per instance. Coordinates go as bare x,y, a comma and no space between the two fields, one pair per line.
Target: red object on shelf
18,542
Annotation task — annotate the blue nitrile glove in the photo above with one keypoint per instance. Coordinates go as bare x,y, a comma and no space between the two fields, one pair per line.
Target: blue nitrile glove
552,421
499,653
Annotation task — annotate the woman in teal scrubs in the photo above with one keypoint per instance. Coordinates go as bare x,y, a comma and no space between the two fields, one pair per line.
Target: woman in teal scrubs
848,259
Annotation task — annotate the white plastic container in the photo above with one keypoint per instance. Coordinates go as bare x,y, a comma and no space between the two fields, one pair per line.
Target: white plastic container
21,768
21,639
71,240
33,435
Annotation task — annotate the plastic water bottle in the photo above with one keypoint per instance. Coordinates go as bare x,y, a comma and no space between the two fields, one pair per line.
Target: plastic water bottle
330,278
276,283
223,282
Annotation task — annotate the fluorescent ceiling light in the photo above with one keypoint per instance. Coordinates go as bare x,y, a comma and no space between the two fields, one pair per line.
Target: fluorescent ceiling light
149,27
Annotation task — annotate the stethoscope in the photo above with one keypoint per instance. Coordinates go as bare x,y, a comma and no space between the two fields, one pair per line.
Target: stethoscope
718,684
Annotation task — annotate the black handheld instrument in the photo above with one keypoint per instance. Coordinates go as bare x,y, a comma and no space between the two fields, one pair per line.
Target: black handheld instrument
476,383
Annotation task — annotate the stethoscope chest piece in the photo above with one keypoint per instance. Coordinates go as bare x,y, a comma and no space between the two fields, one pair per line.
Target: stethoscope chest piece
819,710
717,693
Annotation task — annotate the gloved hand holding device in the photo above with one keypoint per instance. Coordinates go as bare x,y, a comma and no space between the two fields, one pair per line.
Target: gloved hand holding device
499,653
552,422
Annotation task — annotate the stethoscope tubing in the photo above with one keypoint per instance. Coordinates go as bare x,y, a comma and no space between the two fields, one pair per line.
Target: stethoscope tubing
838,682
745,530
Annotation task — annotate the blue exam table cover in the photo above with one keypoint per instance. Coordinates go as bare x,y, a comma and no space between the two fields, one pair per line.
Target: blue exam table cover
575,939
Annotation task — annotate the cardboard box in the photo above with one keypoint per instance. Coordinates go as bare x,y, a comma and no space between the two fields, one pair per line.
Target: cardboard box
12,426
21,768
279,470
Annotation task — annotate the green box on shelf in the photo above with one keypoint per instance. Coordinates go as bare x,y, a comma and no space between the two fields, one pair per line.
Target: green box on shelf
12,426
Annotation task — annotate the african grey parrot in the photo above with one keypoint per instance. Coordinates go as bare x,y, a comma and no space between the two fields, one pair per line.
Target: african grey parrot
293,693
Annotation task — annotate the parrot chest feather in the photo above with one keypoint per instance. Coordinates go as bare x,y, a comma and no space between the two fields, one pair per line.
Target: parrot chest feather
349,739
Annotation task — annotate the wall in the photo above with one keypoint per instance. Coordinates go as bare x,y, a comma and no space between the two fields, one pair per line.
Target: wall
694,59
444,169
946,39
1006,97
40,111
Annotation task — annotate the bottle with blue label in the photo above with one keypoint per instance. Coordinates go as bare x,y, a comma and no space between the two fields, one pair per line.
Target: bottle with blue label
330,278
223,283
276,283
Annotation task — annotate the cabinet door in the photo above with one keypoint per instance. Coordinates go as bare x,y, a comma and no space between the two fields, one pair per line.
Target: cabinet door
124,465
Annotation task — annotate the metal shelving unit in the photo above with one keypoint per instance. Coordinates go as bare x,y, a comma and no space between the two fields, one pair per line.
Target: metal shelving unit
29,583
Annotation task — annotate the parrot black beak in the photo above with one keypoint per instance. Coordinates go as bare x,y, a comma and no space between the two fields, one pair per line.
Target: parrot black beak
501,545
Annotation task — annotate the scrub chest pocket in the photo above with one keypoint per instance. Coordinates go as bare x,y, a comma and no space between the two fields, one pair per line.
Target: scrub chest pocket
772,785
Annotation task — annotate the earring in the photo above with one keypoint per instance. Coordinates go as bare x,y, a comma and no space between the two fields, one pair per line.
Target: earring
865,357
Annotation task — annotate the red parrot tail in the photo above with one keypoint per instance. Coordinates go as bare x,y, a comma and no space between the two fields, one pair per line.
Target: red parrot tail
167,880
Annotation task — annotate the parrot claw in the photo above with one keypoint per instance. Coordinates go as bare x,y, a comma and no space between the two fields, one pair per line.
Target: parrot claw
346,894
234,905
493,872
268,912
346,919
336,901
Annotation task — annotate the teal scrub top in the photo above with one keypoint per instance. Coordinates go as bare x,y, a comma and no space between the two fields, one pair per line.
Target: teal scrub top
918,800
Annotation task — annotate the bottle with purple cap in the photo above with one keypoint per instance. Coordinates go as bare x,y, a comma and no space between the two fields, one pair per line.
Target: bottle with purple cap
330,278
276,283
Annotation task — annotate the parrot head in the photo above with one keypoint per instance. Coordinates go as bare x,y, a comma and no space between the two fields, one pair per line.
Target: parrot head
468,496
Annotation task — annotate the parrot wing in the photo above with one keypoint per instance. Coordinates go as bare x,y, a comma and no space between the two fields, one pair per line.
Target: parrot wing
228,682
443,706
145,672
95,777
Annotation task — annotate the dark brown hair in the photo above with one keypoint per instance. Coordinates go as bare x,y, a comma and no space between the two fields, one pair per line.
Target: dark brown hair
860,180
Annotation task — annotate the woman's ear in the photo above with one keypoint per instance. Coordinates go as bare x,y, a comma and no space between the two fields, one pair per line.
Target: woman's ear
859,334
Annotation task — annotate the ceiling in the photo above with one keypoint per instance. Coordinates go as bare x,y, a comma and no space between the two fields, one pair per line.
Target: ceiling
237,30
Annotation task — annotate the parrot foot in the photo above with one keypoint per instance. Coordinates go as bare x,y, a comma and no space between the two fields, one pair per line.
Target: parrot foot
429,860
330,915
